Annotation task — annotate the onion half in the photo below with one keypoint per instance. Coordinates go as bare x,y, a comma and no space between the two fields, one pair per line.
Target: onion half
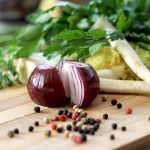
81,82
45,87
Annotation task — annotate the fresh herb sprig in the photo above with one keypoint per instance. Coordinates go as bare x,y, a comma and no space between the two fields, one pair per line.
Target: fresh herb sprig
82,43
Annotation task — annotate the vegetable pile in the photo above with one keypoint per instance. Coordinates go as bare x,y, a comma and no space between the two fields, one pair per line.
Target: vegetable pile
90,33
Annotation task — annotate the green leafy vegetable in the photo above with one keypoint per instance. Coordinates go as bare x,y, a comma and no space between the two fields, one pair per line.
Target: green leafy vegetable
71,33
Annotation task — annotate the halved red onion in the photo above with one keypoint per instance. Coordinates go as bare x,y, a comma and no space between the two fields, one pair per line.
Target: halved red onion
80,81
45,87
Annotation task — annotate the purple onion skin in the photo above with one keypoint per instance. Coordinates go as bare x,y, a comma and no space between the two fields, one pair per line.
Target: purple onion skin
91,84
45,87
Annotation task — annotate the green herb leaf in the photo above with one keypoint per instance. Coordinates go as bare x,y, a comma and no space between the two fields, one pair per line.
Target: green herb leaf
71,35
95,48
122,21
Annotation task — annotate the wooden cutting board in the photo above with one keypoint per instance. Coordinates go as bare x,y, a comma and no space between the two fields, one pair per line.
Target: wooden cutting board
16,111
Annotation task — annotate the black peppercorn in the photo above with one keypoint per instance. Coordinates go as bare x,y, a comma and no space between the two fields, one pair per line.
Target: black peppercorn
80,130
65,112
59,130
75,128
114,102
86,131
37,109
119,105
105,116
36,123
92,121
114,126
96,126
69,127
91,131
112,137
83,137
123,128
31,128
60,112
69,114
16,131
68,100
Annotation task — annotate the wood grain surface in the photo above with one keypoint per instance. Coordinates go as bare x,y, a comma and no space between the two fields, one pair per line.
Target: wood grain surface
16,111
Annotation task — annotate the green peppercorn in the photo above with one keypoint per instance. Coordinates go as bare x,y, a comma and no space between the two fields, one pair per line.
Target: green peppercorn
47,133
10,134
104,98
74,122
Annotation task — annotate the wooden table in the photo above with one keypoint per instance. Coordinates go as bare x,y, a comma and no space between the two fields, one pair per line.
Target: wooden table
16,111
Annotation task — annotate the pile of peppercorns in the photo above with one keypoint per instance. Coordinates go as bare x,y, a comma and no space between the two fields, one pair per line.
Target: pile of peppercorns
80,127
77,130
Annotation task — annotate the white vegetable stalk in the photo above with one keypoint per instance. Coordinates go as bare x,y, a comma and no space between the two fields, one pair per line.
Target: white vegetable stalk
124,86
126,51
106,73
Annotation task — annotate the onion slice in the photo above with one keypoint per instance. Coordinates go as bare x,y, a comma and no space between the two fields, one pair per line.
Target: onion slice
80,80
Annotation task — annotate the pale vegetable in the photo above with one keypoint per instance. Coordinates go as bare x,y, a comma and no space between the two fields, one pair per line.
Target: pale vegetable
124,86
106,73
127,52
24,67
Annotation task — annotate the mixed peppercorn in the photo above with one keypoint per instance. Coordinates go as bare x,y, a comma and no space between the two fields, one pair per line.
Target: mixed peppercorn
80,127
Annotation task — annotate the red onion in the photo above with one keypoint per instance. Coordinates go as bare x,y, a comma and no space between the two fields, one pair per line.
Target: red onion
80,81
45,87
76,80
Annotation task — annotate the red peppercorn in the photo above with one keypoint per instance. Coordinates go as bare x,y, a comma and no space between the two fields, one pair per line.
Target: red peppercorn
78,119
128,110
74,116
98,121
54,126
57,118
77,139
62,118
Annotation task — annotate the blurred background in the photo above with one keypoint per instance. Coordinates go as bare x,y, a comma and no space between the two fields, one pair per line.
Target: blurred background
13,12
